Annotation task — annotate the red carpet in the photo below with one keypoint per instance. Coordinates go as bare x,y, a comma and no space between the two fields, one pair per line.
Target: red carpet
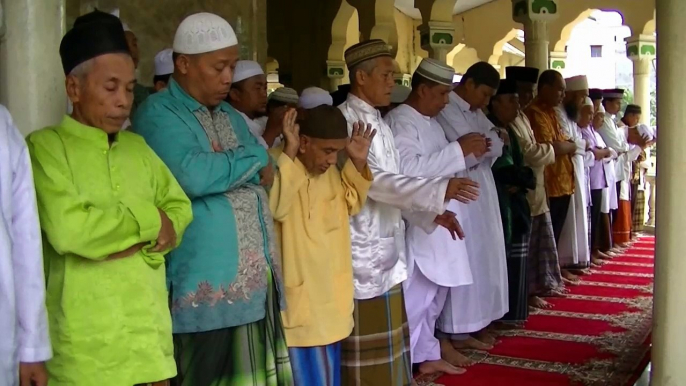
598,335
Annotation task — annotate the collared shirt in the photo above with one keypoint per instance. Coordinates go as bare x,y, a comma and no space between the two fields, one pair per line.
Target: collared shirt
311,213
23,317
109,319
218,275
378,231
559,177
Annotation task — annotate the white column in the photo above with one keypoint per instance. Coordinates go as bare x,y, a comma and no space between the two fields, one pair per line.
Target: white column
536,44
642,68
669,335
31,76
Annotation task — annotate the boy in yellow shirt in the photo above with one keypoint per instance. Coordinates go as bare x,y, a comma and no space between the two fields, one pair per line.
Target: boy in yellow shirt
311,200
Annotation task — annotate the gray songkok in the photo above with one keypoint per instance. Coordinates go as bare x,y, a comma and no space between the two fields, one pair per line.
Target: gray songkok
399,94
285,95
436,71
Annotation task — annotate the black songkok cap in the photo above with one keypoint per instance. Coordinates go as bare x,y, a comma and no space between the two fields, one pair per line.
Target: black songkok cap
94,34
522,74
615,93
595,94
507,86
632,109
324,122
482,73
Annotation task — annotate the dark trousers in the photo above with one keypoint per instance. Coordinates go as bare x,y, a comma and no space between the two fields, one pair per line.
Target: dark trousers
559,206
596,198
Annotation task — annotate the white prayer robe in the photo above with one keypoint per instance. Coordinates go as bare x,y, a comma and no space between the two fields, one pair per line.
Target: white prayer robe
609,196
473,307
616,138
573,247
378,231
435,261
23,318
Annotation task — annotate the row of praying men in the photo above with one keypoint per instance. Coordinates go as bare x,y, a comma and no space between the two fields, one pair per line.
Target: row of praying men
224,238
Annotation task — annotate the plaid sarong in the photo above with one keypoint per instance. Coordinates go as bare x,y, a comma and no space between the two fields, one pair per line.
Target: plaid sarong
378,350
247,355
316,366
543,264
638,219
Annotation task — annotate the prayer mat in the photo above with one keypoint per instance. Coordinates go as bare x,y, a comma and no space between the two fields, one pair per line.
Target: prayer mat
543,264
247,355
378,351
316,366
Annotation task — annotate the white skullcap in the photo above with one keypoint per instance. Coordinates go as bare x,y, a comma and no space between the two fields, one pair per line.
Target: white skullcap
116,13
285,95
203,32
436,71
646,132
588,102
400,93
312,97
601,109
164,64
246,69
577,83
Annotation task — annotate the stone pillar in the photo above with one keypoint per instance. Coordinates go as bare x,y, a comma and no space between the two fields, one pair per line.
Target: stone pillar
641,50
535,15
558,61
335,70
31,75
669,335
438,38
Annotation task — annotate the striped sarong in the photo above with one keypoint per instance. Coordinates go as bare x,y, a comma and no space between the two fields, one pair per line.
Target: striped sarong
316,366
543,264
247,355
378,350
518,291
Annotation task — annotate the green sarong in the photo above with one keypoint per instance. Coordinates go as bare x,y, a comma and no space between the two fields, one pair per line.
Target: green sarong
254,354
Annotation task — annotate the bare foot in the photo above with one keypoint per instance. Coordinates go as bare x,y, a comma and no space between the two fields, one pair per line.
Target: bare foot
597,262
471,343
507,326
485,337
536,302
580,272
452,356
569,277
603,255
440,366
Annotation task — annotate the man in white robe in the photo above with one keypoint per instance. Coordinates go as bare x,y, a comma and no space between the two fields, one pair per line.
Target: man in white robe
470,309
377,352
24,340
436,261
573,247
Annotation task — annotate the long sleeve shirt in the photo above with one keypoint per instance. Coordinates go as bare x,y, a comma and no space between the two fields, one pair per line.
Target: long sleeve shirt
559,176
23,317
311,213
536,156
378,231
109,319
219,274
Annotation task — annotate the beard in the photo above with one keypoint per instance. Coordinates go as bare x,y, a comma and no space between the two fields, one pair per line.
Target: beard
572,111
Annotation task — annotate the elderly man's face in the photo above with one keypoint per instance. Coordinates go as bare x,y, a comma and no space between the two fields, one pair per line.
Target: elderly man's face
207,77
378,84
102,97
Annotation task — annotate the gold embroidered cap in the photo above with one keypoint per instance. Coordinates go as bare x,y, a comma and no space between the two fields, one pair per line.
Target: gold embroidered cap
366,50
436,71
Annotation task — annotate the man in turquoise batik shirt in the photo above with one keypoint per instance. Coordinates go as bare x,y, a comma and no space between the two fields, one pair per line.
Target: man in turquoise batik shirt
224,280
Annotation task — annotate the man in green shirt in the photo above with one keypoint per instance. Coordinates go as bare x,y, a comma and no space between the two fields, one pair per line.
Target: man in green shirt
109,211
